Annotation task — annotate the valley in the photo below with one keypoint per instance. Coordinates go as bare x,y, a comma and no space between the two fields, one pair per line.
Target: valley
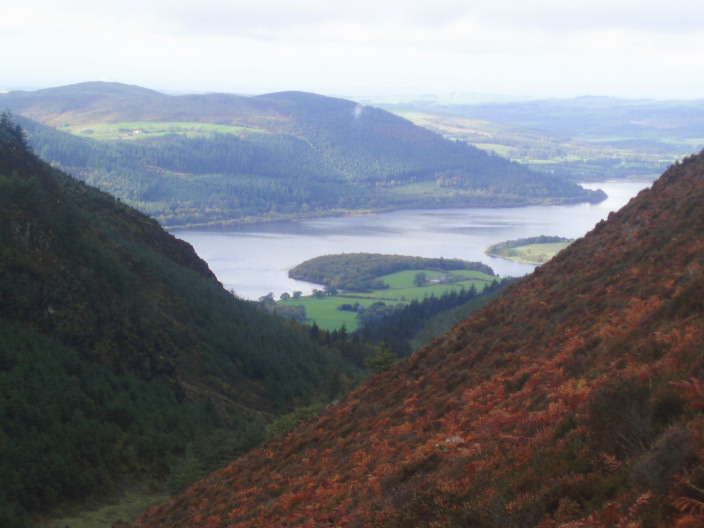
119,333
373,264
573,399
240,257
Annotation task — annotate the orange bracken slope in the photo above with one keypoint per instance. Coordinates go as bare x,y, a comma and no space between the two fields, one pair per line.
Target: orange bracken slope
575,399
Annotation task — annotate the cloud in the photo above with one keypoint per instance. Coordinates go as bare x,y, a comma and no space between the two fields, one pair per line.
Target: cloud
245,17
560,16
268,17
505,46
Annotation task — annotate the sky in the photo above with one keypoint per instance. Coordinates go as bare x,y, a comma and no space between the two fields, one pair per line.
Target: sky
361,48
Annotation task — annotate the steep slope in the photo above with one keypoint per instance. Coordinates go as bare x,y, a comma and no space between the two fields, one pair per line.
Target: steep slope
575,399
275,156
118,346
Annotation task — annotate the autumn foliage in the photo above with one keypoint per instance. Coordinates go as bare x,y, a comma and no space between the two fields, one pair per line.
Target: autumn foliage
574,400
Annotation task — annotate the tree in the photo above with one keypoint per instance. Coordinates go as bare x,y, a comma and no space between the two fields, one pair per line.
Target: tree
382,360
268,299
420,279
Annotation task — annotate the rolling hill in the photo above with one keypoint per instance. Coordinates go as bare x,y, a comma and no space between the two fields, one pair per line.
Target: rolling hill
218,158
584,138
575,399
118,346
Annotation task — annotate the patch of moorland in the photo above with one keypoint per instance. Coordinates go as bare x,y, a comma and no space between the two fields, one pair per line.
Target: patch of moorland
574,399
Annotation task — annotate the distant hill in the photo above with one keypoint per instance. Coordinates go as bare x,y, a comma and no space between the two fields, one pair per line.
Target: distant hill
219,158
574,399
594,116
582,138
118,347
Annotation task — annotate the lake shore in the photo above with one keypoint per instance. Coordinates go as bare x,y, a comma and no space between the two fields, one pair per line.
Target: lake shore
254,260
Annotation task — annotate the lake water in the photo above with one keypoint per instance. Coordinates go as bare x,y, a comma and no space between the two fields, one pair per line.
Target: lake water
254,260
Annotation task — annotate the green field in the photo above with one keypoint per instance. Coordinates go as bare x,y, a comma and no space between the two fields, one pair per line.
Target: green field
502,150
143,129
324,310
534,253
126,506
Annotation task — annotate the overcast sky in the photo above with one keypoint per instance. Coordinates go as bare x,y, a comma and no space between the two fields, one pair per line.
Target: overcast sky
543,48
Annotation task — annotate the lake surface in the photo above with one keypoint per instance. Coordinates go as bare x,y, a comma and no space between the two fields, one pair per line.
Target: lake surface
254,260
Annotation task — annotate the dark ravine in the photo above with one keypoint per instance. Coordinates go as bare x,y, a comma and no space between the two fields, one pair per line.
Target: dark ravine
574,399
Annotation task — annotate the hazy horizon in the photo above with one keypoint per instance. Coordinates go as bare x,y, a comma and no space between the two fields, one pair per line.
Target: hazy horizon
379,97
545,49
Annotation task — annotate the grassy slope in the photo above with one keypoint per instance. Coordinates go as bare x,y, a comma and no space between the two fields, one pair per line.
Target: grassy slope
104,514
533,253
142,129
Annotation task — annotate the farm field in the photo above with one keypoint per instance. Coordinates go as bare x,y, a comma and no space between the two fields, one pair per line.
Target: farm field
144,129
324,309
531,253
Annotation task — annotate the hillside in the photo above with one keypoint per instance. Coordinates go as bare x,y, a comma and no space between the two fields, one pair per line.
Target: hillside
575,399
118,347
583,138
224,159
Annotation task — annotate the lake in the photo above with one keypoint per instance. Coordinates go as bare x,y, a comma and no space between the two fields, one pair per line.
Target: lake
254,260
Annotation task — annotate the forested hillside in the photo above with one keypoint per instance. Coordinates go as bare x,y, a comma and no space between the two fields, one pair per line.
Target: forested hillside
270,157
574,399
118,347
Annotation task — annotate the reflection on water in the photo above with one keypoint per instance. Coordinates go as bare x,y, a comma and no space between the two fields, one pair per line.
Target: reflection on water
254,260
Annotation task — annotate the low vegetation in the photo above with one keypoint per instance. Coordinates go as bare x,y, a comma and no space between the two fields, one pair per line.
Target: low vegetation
533,250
